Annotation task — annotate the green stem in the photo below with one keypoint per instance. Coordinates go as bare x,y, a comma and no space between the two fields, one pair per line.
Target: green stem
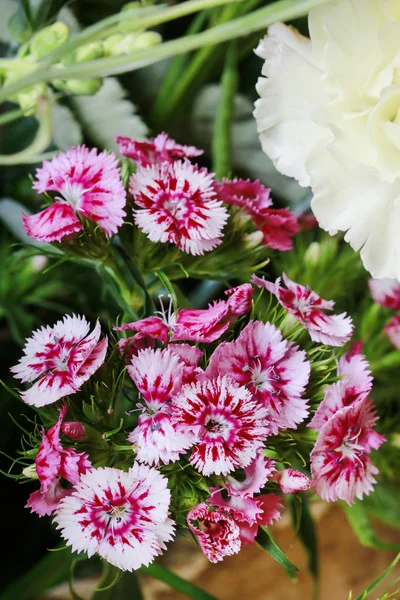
11,115
240,27
42,139
143,18
221,143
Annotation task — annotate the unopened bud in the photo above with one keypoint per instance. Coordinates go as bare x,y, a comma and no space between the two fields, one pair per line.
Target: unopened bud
73,429
254,239
85,53
126,45
80,87
291,481
48,39
30,472
131,6
28,98
148,39
111,41
312,254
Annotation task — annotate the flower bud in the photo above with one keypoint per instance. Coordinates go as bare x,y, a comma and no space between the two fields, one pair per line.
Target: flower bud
131,6
312,254
30,472
111,41
125,45
74,430
291,481
48,39
28,98
85,53
148,39
80,87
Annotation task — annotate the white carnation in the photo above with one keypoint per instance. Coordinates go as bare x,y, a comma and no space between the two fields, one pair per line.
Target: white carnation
329,115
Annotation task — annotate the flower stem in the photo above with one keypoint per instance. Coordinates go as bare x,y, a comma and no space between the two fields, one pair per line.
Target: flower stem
103,67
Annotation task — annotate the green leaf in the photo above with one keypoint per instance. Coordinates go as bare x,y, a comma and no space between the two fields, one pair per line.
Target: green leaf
180,585
378,580
51,570
307,534
265,541
362,527
384,503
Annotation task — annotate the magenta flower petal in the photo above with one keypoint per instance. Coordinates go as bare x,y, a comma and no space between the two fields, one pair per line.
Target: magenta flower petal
53,223
239,299
291,481
392,330
202,325
256,476
177,204
159,149
122,516
230,426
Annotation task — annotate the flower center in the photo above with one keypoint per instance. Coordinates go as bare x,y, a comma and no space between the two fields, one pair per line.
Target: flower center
262,379
349,447
214,427
72,193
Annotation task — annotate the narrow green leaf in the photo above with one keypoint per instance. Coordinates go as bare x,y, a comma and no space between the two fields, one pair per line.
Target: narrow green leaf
384,504
222,139
307,533
51,570
178,584
265,541
362,527
117,584
169,287
378,580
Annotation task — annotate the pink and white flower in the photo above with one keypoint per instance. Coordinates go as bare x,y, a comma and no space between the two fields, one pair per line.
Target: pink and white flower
230,427
272,369
159,376
89,184
122,516
355,385
278,226
340,465
291,481
54,462
256,476
385,292
159,149
392,329
177,203
308,308
60,359
217,532
239,299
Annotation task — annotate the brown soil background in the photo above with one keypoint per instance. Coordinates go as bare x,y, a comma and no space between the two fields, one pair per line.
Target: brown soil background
252,575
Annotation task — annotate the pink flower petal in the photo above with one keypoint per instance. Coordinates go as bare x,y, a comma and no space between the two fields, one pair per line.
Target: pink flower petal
392,329
385,292
159,149
53,223
291,481
216,532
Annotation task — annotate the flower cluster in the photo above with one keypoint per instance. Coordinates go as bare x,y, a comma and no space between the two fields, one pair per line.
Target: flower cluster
386,292
172,199
212,389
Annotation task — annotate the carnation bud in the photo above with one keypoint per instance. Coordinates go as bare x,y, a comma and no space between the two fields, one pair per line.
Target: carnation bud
30,472
291,481
312,254
48,39
111,41
28,98
85,53
125,45
254,239
74,430
80,87
148,39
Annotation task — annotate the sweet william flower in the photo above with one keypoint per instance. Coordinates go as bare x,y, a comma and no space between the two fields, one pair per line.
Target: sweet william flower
53,463
355,384
86,184
340,463
328,116
122,516
291,481
177,203
230,426
159,376
273,370
159,149
308,308
60,359
217,532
